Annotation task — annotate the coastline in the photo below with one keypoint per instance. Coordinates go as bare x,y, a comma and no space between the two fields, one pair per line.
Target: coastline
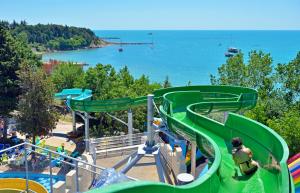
93,46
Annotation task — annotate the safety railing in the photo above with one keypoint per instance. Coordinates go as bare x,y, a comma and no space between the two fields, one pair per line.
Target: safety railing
116,145
32,162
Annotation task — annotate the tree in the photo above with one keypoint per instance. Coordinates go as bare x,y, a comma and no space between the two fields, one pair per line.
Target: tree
289,78
67,75
166,83
232,73
278,90
35,108
54,37
288,126
12,54
107,83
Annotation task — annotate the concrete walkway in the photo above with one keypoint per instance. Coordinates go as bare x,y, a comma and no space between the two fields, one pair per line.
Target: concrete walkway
145,169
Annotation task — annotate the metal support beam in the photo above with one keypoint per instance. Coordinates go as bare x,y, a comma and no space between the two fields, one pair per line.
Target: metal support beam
51,177
150,139
26,169
73,121
77,177
92,152
130,126
159,168
86,128
131,164
193,159
123,161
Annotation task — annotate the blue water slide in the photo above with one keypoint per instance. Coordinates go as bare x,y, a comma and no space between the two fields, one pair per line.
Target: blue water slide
74,93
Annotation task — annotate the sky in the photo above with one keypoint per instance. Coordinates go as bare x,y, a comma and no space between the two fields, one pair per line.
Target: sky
158,14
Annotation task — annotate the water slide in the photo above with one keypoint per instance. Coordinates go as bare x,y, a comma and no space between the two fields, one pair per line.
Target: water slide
186,111
75,94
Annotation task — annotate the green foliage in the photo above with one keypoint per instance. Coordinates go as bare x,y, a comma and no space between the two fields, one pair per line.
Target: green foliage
289,77
288,126
278,90
67,75
35,108
107,83
13,53
235,69
53,37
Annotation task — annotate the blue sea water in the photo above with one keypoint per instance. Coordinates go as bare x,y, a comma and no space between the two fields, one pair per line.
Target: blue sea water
183,56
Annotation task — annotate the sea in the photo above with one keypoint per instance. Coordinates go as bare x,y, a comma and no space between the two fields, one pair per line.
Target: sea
182,56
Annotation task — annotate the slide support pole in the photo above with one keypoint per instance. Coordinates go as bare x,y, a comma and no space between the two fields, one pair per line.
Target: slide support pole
130,126
73,121
86,128
150,130
26,169
193,159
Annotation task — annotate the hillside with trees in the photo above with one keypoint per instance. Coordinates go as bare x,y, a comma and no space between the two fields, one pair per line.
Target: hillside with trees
52,37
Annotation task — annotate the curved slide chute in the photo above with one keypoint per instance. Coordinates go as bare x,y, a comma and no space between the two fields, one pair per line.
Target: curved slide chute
184,109
75,94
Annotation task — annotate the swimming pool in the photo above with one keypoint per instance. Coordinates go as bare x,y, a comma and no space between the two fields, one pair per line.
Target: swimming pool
43,179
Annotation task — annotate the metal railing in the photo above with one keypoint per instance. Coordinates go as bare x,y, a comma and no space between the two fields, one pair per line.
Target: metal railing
50,157
116,145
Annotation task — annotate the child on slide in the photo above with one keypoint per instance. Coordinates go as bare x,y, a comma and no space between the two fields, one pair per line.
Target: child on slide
242,157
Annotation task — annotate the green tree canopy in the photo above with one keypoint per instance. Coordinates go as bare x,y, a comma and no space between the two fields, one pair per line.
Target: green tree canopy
289,78
53,37
67,75
107,83
35,108
278,89
12,54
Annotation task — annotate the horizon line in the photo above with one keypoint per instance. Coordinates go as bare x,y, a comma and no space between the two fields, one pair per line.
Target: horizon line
175,29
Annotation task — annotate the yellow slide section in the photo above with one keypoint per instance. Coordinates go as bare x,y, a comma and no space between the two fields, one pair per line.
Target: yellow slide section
15,185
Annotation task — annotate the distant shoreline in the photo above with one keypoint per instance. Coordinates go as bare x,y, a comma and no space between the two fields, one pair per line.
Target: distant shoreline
104,44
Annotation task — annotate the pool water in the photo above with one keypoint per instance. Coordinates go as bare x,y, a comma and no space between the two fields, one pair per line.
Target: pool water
43,179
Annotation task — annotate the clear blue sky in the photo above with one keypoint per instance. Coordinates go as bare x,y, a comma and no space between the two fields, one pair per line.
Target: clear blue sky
157,14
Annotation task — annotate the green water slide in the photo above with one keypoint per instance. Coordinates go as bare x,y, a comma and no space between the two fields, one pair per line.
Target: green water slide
186,111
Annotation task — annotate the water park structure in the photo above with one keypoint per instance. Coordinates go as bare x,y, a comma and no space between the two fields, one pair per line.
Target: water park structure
184,119
184,113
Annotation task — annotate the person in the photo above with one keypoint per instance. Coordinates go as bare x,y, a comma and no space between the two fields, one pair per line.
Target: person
242,157
61,148
33,163
17,152
1,127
